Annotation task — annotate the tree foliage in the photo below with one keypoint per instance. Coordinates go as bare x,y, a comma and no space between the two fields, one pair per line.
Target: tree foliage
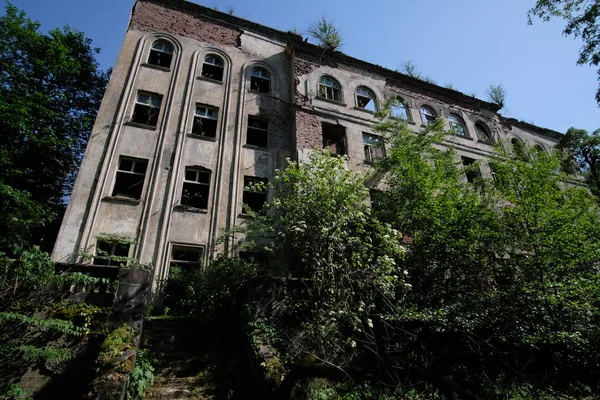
583,20
582,155
326,34
51,88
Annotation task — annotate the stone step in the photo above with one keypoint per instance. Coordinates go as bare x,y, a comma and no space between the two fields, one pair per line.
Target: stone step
177,388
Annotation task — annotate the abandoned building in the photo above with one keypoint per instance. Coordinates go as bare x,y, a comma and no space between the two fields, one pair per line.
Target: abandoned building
201,105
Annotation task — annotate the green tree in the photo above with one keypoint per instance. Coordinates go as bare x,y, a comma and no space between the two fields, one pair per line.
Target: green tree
326,34
582,155
583,20
51,88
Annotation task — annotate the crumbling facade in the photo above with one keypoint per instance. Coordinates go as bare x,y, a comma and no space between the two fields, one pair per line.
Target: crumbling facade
202,105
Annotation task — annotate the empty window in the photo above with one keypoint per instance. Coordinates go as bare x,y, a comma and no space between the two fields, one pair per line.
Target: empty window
196,186
428,115
255,193
334,138
146,109
111,253
187,257
258,132
483,132
471,170
374,148
400,109
161,54
260,80
213,67
517,145
205,121
365,98
376,196
129,181
330,89
539,148
457,125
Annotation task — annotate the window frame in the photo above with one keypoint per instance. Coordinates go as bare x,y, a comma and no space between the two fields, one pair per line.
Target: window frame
486,137
368,146
199,117
456,120
185,264
468,162
424,120
101,260
267,78
140,107
155,52
132,171
400,104
334,87
206,185
253,179
370,94
213,65
264,130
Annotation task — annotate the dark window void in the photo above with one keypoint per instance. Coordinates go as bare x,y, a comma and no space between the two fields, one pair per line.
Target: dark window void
255,193
471,170
334,138
258,132
483,133
376,197
213,67
205,122
260,80
161,54
186,256
146,109
129,181
374,148
196,188
112,254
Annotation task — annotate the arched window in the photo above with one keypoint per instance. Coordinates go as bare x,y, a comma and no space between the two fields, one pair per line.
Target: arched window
213,67
400,109
457,124
161,54
539,148
517,145
260,80
483,133
330,89
365,99
428,115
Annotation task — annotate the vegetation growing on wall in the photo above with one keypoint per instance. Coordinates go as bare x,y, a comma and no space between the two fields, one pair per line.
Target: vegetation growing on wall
326,34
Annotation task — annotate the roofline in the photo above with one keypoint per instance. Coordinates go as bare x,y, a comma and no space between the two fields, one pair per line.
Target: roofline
296,42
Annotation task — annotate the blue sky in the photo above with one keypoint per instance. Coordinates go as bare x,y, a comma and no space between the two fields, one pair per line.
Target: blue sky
468,43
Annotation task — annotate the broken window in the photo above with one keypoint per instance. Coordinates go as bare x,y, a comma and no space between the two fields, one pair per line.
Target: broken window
428,115
376,196
213,67
365,98
146,109
205,121
161,54
111,253
258,132
255,193
196,186
517,146
400,109
260,80
330,89
483,132
471,169
334,138
187,257
374,149
129,181
457,124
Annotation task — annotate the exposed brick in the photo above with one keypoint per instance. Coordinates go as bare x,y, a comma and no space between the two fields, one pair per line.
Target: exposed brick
150,17
308,130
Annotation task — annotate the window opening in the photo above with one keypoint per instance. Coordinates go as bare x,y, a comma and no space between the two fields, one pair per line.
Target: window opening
186,257
213,67
260,80
471,170
330,89
483,132
457,125
196,185
373,146
111,253
365,99
129,181
255,193
146,109
376,196
205,121
258,132
400,109
161,54
428,115
334,138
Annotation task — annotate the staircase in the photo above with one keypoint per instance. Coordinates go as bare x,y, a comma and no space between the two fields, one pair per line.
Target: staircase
177,346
